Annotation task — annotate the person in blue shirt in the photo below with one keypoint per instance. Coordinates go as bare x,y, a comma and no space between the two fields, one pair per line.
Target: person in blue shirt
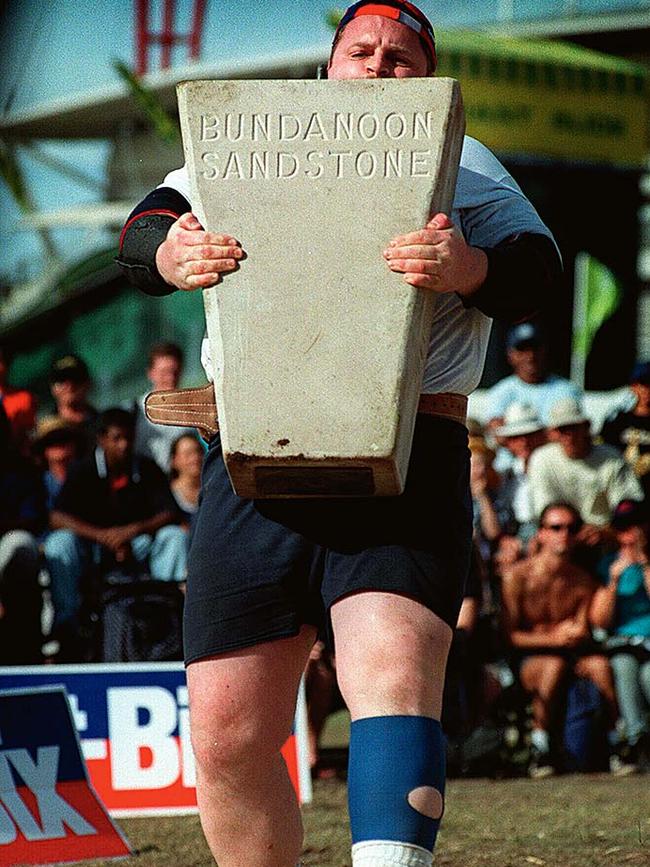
622,607
530,382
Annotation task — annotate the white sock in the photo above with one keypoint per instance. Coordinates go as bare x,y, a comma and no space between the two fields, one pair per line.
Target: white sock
386,853
539,739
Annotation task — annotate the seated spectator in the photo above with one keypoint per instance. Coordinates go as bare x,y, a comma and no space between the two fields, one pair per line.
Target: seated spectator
521,433
629,430
56,446
622,607
572,469
70,384
164,371
186,461
492,513
546,600
22,517
463,678
115,512
530,383
19,405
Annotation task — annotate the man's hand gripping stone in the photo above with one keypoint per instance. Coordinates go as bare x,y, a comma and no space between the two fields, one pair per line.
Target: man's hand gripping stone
438,258
191,258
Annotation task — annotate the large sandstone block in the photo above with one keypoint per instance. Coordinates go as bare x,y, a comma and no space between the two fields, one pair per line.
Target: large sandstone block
320,349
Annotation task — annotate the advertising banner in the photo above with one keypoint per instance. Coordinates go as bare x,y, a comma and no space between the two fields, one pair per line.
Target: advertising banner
133,724
49,812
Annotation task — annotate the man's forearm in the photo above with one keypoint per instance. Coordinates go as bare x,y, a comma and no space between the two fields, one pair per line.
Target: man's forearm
529,640
65,521
151,525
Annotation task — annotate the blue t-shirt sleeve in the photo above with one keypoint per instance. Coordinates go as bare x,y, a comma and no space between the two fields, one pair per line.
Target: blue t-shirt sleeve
491,204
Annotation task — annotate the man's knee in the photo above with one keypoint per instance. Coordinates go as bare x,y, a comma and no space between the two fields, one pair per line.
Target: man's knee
595,668
18,548
543,674
228,736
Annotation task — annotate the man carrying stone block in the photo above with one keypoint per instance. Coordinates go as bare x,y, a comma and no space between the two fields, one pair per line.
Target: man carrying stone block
389,571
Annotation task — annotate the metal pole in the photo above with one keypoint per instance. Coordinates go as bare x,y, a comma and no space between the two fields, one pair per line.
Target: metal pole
578,357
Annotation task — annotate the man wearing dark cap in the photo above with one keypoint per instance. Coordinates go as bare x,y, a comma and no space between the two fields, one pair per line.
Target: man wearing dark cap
70,384
629,430
389,571
530,382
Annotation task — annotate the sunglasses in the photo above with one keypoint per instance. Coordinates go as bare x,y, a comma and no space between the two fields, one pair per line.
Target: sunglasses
557,528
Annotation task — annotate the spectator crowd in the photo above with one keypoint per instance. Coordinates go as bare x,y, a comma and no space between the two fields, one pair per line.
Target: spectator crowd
550,664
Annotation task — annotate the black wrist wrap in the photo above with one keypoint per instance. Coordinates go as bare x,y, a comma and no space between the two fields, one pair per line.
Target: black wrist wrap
144,231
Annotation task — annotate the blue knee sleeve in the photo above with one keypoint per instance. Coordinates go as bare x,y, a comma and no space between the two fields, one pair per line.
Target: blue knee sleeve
390,757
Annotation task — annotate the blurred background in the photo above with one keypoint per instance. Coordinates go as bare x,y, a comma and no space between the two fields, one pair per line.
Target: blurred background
557,88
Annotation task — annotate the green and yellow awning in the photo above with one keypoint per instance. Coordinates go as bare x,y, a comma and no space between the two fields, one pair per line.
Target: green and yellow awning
550,99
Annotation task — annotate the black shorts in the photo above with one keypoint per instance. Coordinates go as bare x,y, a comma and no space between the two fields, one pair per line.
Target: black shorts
260,569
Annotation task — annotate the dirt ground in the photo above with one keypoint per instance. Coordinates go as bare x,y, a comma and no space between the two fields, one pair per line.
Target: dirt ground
572,821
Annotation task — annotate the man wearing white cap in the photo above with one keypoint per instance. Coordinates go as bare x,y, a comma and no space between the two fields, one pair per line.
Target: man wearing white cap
571,469
522,432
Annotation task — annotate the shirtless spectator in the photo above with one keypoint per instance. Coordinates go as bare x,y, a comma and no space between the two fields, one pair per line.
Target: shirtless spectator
546,600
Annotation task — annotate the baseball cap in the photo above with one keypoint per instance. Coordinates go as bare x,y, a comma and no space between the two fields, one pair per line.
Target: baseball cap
519,419
524,333
641,373
566,412
398,10
69,367
629,513
53,430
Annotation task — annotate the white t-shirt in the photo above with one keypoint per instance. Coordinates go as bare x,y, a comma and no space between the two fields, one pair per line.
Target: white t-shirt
594,485
489,207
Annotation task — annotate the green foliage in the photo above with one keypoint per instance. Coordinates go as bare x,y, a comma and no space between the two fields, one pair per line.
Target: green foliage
333,17
12,175
161,121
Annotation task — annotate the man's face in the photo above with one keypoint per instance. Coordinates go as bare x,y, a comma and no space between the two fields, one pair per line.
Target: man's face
528,361
558,531
574,439
164,372
523,445
372,46
117,444
70,391
59,456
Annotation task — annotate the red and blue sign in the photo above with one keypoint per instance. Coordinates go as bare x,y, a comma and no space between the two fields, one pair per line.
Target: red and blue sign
49,812
133,724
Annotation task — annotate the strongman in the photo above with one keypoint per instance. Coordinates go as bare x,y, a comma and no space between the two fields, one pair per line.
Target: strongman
387,571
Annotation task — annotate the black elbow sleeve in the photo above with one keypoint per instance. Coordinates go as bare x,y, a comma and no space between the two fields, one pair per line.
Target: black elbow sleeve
524,278
144,231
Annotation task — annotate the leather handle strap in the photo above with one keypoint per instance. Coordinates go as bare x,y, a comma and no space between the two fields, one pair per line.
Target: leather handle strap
185,407
197,407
